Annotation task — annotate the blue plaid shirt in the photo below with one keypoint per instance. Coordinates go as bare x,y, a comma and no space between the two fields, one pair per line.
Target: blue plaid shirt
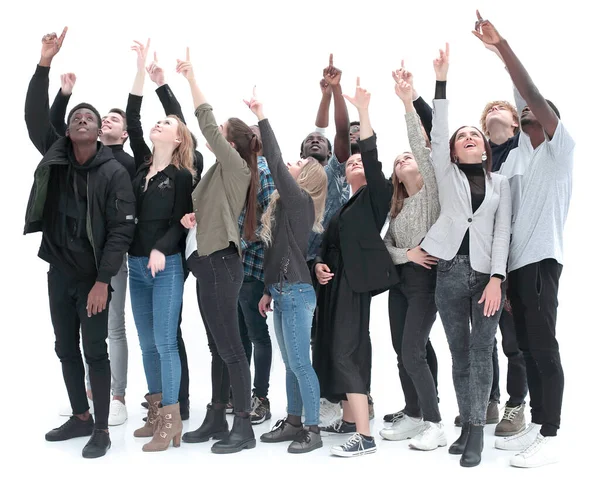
338,193
253,253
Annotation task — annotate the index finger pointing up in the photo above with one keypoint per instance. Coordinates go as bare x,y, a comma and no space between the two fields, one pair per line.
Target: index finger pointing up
331,59
155,58
148,44
187,53
478,15
358,81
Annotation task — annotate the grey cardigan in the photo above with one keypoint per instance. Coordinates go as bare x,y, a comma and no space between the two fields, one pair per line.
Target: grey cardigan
489,226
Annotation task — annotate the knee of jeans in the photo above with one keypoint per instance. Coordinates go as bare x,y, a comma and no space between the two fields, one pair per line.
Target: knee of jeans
67,353
412,360
95,356
117,333
167,347
545,357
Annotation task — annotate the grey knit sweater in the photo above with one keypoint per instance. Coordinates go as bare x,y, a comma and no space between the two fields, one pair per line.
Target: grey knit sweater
419,211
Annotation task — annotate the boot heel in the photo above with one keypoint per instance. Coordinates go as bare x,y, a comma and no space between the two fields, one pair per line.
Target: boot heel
177,440
251,444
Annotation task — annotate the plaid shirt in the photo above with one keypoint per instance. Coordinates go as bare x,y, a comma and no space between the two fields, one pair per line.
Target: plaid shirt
253,253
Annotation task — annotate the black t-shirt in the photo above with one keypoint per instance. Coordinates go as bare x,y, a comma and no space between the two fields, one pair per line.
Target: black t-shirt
476,177
500,152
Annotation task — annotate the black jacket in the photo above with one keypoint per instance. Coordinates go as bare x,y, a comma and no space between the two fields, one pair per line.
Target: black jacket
111,203
367,262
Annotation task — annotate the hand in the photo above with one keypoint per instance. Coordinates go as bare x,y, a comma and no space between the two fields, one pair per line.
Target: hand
331,74
142,54
156,73
487,33
97,299
508,306
421,257
403,74
185,67
51,45
325,87
156,262
323,273
255,105
189,221
264,305
492,296
361,97
404,91
440,65
67,81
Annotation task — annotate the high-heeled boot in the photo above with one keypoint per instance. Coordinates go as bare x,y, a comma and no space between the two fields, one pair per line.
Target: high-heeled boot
472,454
241,437
458,447
148,429
168,428
215,426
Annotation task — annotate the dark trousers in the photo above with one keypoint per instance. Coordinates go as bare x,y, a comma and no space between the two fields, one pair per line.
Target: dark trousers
184,385
533,294
255,333
412,313
68,300
220,277
516,379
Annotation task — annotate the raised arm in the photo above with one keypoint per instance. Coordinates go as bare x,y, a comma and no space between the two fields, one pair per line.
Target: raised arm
322,121
341,142
58,110
423,109
488,34
225,154
440,134
163,91
37,111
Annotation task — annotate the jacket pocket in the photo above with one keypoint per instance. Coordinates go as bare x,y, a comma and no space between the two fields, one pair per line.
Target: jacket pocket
440,230
125,206
445,266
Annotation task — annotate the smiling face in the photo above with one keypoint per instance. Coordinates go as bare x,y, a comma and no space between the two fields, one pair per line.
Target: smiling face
165,131
315,145
113,129
405,166
83,126
469,145
295,168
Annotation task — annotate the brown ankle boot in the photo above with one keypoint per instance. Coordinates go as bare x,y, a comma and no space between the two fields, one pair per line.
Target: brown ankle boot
168,428
149,426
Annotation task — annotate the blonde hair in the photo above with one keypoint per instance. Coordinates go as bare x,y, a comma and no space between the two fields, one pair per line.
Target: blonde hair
487,109
400,193
312,180
183,155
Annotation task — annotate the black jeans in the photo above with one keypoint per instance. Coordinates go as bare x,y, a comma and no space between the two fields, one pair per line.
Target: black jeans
412,311
533,294
516,378
254,326
68,300
184,385
220,278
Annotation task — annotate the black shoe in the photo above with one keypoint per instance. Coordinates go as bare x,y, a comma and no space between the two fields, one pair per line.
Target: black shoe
241,437
393,417
472,455
97,446
74,427
145,405
184,409
457,421
214,426
282,431
459,445
339,427
305,441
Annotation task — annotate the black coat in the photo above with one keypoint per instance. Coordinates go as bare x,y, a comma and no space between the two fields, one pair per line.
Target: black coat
368,265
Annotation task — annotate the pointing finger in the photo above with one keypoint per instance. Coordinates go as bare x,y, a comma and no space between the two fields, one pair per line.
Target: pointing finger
330,60
187,53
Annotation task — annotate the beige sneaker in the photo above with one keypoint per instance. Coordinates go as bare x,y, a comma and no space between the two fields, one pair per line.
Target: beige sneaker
512,422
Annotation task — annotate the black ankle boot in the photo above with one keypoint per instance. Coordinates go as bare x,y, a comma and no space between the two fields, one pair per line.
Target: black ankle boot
214,426
472,455
241,437
459,445
184,409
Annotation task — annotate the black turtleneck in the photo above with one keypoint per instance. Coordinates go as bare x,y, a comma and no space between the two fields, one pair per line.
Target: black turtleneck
126,160
476,177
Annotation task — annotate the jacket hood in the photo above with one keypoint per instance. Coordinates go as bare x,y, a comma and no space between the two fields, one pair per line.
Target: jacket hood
62,151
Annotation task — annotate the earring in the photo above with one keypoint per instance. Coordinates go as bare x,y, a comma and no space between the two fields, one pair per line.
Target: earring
484,157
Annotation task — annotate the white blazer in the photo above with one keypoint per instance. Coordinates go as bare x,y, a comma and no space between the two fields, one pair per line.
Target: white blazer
489,226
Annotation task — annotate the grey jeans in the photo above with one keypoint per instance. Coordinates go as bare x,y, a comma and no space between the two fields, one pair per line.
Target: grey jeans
117,338
470,334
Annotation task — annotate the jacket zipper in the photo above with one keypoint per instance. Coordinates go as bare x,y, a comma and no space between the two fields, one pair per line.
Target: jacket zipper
88,225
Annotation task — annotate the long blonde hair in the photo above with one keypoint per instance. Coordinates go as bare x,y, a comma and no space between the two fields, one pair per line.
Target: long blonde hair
183,155
313,180
400,193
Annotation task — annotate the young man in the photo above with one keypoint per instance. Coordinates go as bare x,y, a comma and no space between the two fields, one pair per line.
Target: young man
540,174
114,135
83,204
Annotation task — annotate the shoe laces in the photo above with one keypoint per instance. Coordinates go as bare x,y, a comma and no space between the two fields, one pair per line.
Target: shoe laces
71,422
354,440
255,404
278,425
397,416
532,449
511,412
303,436
337,424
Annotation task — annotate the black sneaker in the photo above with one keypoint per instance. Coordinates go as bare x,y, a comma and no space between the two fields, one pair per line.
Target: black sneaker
281,432
261,410
355,446
396,416
229,408
74,427
305,441
97,446
339,427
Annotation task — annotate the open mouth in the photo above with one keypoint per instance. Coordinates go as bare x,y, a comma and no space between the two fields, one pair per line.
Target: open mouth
470,145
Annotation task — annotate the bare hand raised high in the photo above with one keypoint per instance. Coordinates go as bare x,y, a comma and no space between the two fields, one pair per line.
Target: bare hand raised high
156,72
361,98
67,81
51,45
185,67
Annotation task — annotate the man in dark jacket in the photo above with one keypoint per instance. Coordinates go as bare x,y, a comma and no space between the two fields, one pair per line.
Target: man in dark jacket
83,203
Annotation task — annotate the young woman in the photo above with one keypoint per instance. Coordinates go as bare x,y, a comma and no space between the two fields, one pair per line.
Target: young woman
353,266
163,187
415,207
471,239
219,198
296,208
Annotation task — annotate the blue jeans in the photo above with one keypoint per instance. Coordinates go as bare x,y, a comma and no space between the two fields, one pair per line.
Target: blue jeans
293,308
156,303
257,332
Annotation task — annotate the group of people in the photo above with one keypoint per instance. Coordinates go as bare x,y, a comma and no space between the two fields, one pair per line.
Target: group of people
476,221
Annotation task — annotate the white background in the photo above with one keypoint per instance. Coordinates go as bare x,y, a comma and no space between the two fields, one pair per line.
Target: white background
282,48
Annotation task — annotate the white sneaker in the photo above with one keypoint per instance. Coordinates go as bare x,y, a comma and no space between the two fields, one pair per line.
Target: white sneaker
68,412
329,412
543,451
520,441
117,414
430,438
404,428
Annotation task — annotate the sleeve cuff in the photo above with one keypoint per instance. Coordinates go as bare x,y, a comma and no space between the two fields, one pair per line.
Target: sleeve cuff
499,275
42,70
104,277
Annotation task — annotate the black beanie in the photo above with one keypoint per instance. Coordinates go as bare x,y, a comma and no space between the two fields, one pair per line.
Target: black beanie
85,106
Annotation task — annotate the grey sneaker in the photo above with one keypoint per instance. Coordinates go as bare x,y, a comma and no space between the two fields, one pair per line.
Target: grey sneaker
261,410
371,408
305,441
512,422
281,432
